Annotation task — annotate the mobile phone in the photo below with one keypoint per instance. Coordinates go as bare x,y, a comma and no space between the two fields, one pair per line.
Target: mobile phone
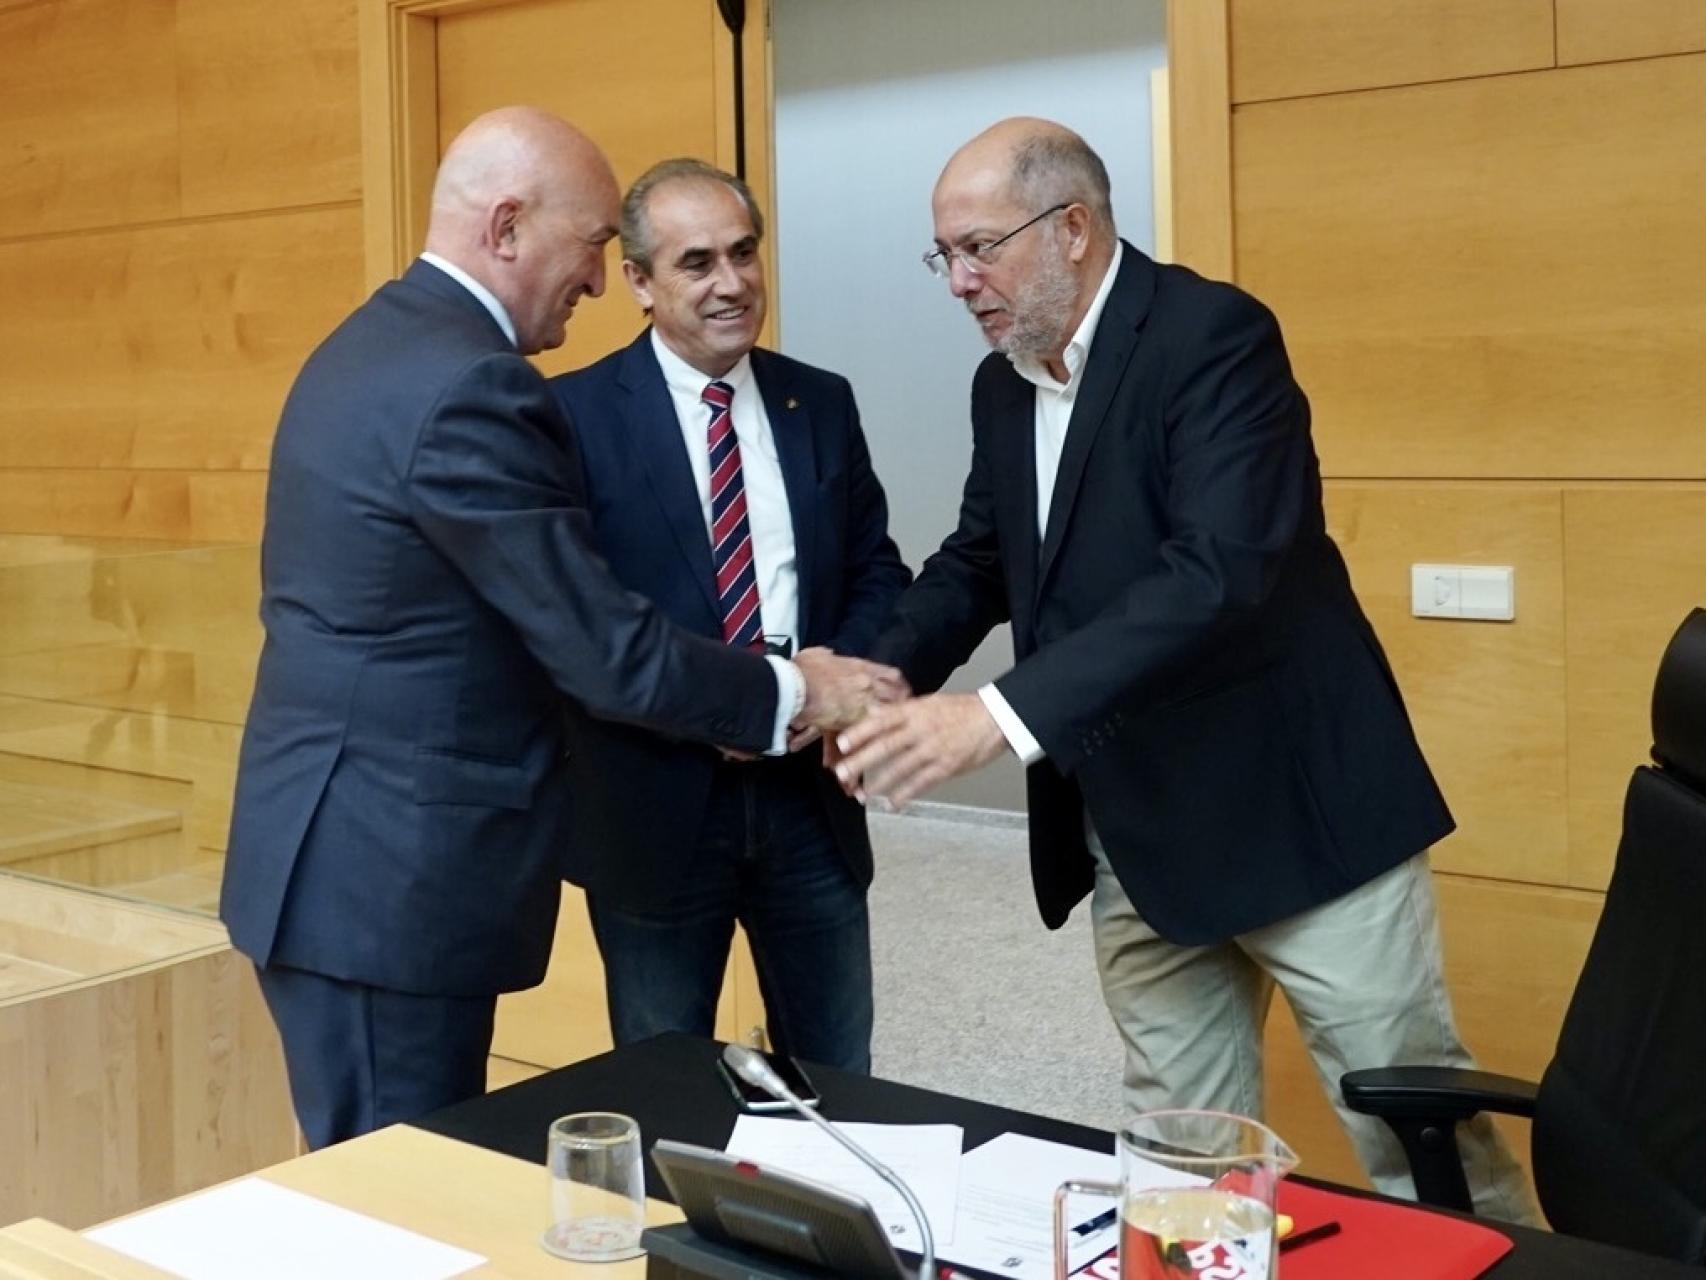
752,1098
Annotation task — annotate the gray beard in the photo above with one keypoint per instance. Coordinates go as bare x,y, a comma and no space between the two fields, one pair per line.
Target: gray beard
1041,311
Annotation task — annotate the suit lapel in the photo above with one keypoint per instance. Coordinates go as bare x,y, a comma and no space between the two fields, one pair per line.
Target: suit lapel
1110,353
792,429
649,419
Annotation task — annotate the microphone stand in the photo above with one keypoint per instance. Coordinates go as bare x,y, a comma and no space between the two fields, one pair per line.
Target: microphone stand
751,1067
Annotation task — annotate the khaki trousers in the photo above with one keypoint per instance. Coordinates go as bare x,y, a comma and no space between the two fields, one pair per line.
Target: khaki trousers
1364,980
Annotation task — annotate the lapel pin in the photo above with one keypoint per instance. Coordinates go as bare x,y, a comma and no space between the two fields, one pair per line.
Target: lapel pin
793,403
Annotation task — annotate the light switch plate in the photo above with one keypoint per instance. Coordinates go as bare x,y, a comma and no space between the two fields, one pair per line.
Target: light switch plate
1483,592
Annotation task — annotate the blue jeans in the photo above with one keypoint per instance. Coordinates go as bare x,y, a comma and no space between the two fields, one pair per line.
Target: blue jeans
767,858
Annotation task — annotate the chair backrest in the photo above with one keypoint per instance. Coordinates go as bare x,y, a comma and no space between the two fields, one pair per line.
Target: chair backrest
1620,1124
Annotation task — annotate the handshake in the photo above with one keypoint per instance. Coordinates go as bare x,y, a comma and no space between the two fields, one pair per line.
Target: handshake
885,746
839,691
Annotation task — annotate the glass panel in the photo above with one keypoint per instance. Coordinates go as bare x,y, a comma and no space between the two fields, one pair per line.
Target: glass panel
125,673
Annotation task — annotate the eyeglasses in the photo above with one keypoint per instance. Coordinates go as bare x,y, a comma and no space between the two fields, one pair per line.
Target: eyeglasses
978,256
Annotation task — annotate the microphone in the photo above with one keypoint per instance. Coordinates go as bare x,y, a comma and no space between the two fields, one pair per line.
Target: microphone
751,1067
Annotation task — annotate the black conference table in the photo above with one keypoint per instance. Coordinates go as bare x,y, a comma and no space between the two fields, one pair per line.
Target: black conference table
670,1085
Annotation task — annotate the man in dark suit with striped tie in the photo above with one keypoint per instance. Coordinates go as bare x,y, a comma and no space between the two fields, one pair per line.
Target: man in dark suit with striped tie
732,487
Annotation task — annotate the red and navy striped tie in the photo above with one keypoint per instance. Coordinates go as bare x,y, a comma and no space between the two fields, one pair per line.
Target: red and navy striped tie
731,534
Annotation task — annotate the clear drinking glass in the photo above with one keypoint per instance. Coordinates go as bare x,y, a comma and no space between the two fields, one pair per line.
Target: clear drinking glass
1196,1197
598,1187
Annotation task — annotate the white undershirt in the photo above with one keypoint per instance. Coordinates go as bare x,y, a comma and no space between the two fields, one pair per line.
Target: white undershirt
1054,401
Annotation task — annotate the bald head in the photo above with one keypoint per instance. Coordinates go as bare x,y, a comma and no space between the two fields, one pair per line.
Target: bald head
1036,164
525,203
1024,209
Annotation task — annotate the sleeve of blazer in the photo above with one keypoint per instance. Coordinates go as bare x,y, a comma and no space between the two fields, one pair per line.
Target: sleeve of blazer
961,593
873,574
491,486
1238,455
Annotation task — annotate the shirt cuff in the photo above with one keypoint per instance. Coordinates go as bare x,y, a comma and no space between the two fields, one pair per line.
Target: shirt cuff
1012,728
790,701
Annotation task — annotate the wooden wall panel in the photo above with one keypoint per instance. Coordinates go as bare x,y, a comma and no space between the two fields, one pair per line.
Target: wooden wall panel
1200,168
1487,698
1509,1000
1292,48
1635,566
170,346
88,117
267,103
203,506
1497,277
1602,31
113,114
575,57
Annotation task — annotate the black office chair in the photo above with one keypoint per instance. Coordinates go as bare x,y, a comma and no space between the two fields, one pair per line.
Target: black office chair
1619,1137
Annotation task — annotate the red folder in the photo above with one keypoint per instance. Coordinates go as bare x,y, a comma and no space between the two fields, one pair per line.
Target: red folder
1384,1240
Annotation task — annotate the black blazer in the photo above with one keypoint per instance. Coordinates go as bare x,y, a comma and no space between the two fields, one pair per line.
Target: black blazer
1190,654
428,588
639,798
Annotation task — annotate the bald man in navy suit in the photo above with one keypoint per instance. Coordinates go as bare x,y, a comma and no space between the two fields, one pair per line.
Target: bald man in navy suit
434,607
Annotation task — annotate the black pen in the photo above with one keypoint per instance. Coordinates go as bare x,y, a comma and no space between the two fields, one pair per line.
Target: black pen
1320,1232
1091,1227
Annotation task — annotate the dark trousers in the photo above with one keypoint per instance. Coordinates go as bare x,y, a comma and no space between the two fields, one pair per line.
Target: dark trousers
767,858
363,1057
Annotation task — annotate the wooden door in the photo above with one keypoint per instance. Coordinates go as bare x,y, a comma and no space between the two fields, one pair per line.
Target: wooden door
646,79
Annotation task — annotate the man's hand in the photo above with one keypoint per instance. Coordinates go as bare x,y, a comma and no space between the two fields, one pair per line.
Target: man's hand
839,690
897,753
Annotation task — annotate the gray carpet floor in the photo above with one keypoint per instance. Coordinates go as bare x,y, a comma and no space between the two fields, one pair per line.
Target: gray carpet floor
973,995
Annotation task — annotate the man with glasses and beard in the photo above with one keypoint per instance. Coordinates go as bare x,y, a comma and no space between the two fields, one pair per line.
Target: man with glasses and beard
1217,751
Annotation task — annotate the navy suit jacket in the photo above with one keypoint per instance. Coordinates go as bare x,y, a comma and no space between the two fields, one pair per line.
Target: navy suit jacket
1190,655
639,798
429,592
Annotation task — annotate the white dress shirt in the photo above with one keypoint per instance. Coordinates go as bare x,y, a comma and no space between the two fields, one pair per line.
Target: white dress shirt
761,470
767,510
1054,401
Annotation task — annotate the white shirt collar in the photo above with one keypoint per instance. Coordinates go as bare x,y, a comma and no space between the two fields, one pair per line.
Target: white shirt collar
484,296
683,379
1078,349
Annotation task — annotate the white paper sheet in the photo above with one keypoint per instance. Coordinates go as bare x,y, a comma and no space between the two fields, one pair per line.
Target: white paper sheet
257,1230
925,1156
1006,1213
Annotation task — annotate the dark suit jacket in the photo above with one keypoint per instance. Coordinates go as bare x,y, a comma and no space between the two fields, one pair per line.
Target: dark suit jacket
1190,654
428,588
639,798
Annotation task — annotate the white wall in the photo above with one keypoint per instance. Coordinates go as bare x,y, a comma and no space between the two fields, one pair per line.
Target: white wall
872,96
